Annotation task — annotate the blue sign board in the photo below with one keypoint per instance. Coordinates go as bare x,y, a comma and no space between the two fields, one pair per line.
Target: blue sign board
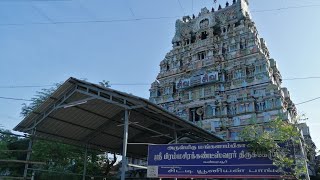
211,160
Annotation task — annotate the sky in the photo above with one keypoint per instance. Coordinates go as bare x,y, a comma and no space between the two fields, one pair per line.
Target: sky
43,42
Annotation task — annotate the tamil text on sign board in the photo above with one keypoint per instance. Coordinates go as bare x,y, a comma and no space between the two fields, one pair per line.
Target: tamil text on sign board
210,160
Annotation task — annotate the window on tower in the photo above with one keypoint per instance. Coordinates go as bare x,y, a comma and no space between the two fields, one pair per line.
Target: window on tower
174,88
204,35
202,55
237,24
224,30
193,37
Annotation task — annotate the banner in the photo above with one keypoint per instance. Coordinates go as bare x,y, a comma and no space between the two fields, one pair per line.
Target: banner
211,160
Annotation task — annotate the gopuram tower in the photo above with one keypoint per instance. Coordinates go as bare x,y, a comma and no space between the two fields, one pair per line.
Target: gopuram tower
219,73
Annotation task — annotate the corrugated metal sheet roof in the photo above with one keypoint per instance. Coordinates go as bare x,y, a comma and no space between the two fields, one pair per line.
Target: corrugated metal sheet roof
82,113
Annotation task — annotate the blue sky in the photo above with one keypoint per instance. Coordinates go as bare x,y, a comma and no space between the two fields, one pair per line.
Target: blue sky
36,50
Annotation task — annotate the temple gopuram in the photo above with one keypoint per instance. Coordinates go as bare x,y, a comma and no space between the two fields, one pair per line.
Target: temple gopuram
219,73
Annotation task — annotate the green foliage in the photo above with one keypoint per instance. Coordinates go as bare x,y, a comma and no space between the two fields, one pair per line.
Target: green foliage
105,83
43,95
39,98
55,154
63,161
266,139
9,142
64,158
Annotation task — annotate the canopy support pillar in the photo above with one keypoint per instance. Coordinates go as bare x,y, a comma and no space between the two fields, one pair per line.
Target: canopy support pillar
26,166
175,141
125,142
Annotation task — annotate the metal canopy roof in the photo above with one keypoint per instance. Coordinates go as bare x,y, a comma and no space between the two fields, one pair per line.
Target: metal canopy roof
82,113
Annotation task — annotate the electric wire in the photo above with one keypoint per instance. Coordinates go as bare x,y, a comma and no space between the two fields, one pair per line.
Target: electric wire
133,84
14,1
15,99
21,99
134,19
302,78
28,86
53,85
285,8
90,21
304,102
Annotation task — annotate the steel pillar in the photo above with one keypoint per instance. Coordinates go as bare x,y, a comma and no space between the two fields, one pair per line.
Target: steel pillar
26,166
124,145
175,141
33,174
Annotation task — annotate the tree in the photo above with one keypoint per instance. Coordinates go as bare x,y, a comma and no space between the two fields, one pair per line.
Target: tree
272,140
38,99
9,142
107,164
105,83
